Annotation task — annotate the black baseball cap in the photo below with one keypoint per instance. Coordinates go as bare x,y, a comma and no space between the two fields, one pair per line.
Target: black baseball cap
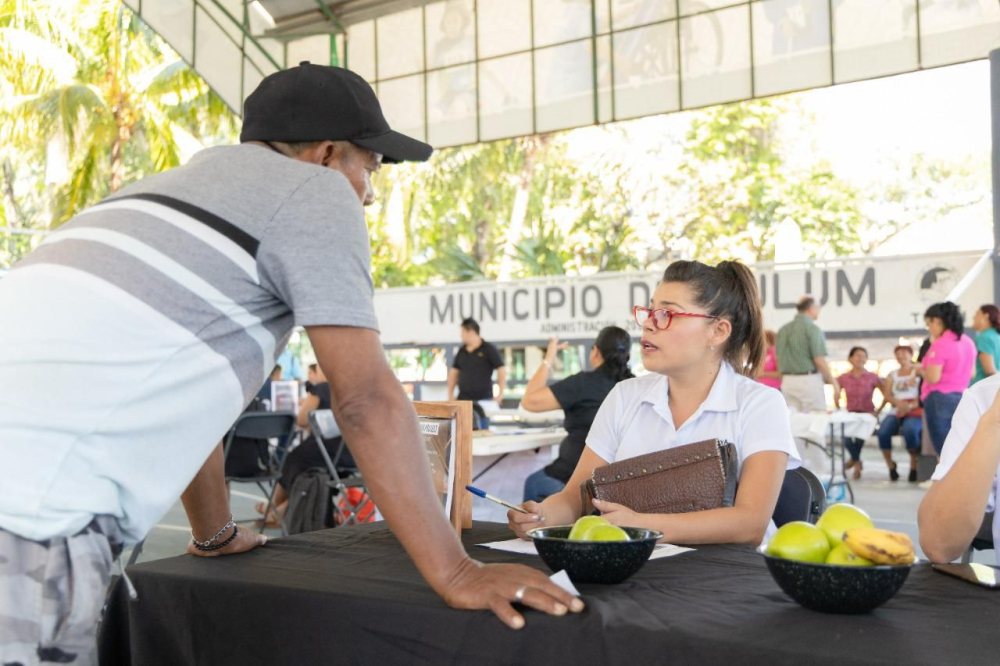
321,103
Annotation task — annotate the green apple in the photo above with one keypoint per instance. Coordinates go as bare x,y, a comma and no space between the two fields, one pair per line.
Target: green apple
800,541
839,518
584,524
606,532
842,556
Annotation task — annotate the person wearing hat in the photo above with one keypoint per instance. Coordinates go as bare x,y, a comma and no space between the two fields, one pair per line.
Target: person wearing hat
136,334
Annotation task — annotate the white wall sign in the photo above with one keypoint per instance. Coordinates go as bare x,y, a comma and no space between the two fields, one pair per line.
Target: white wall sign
858,295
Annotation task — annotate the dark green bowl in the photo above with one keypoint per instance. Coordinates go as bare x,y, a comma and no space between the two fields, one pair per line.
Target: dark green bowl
605,562
831,588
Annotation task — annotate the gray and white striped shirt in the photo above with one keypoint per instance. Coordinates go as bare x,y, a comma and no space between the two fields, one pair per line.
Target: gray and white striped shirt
133,337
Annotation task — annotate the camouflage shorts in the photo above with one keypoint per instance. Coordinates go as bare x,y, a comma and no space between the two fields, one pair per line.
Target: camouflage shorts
51,593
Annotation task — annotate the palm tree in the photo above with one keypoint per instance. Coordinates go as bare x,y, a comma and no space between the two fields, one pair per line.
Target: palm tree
92,78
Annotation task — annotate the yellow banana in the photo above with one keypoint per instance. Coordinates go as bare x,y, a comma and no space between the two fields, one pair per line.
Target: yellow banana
880,546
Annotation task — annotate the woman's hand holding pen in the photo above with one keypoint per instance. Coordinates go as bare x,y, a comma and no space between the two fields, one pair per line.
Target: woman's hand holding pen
520,523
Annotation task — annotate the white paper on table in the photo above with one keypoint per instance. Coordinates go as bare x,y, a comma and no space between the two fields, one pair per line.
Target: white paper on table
522,547
561,578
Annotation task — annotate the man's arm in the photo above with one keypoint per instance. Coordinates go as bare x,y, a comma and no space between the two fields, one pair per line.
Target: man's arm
380,426
206,502
824,369
501,382
452,383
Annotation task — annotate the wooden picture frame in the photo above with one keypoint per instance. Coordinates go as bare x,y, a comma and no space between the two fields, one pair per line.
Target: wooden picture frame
458,415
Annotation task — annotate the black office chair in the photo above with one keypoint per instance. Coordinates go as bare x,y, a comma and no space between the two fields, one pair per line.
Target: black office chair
250,428
802,497
340,466
983,539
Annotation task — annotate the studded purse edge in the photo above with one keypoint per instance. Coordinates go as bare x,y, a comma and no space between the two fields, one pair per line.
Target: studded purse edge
693,477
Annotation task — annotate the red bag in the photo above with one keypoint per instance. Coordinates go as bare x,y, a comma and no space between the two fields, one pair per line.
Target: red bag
358,501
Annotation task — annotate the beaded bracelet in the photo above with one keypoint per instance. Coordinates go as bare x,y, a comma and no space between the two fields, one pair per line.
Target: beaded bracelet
206,544
219,545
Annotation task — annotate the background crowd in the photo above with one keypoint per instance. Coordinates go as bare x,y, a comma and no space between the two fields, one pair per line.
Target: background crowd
915,400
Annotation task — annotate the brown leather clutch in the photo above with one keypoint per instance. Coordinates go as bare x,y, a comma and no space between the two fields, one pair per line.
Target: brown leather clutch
693,477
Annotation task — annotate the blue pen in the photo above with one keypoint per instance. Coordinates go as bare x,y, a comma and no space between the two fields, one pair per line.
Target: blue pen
486,495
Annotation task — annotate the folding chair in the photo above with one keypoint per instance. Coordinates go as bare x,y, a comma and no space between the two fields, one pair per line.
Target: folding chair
262,425
983,539
802,497
325,429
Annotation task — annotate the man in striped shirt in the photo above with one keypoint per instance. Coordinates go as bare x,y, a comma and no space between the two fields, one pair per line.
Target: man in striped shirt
134,337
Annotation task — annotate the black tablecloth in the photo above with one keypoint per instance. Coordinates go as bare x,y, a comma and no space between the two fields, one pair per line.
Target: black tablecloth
351,596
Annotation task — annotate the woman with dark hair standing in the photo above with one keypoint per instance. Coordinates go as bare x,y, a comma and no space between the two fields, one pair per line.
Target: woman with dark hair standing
703,343
986,321
579,396
946,369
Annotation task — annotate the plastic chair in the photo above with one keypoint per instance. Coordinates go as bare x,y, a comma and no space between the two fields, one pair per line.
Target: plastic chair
802,497
325,429
262,425
983,539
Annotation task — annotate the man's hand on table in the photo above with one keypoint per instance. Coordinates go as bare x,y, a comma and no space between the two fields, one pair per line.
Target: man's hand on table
475,586
244,541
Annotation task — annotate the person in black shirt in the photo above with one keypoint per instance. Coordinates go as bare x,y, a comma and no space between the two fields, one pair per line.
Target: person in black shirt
579,396
473,369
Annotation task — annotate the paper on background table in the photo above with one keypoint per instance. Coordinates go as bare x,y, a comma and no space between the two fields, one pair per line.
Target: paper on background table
522,547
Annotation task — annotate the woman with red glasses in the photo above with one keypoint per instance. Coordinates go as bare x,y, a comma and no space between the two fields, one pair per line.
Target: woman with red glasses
703,342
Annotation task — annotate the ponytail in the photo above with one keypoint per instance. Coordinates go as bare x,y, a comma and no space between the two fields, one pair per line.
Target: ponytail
728,291
614,344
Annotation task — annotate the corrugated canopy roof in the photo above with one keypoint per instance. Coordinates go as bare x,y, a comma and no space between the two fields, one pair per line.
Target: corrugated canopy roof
452,72
312,16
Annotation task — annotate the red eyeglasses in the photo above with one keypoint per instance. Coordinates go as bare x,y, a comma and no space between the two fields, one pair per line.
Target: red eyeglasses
662,318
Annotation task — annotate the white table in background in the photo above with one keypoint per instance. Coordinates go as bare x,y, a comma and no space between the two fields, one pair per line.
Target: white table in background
826,430
503,460
518,416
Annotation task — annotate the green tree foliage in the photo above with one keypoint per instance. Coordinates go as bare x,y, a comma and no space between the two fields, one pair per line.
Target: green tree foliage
88,90
91,99
734,187
726,197
455,217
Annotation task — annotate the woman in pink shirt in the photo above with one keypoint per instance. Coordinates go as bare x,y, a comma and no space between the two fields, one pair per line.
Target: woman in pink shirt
769,375
946,369
859,385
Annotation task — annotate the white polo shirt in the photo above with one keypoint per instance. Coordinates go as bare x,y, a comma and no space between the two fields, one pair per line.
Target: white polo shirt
635,419
974,404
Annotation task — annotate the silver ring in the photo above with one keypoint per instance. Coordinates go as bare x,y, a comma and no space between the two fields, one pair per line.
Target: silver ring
519,595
